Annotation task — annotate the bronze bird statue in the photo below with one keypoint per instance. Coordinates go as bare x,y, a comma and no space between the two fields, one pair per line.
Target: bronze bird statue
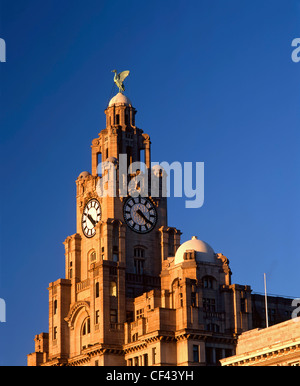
119,79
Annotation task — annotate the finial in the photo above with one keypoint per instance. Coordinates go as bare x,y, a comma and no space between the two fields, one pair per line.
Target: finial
119,79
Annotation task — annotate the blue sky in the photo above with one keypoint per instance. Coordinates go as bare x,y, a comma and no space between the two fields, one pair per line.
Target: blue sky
212,81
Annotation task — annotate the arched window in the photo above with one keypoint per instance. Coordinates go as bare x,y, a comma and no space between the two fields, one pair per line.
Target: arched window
92,256
85,333
86,327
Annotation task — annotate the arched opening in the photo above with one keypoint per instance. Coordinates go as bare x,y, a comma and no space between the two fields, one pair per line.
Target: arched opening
85,333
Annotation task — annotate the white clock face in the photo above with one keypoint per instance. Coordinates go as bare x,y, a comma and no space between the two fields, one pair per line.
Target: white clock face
140,214
90,217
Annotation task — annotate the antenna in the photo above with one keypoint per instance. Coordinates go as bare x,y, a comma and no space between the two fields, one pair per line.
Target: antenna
266,302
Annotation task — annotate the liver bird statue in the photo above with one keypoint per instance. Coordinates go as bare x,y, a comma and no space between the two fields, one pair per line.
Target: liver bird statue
119,79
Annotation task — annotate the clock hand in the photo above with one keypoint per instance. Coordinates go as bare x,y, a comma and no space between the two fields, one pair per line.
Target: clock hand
143,216
91,219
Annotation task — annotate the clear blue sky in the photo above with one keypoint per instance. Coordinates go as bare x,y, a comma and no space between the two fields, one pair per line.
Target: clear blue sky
213,82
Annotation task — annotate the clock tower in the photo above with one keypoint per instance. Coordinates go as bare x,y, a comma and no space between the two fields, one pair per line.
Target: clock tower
117,251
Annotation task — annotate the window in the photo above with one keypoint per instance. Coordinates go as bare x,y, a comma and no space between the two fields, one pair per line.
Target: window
99,164
180,299
126,118
209,305
129,362
97,290
195,353
153,355
139,252
113,288
243,305
86,328
96,363
171,243
115,257
136,361
134,337
113,316
213,327
145,359
93,256
139,266
54,333
117,119
54,306
208,282
193,299
271,314
140,313
139,256
97,317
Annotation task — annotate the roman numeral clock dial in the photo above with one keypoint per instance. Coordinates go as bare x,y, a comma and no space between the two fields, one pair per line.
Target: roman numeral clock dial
140,214
90,217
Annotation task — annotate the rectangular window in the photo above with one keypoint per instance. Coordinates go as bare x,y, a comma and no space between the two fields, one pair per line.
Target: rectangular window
140,313
243,305
54,333
97,317
209,305
138,266
181,299
145,359
97,290
195,353
55,306
153,355
193,299
126,118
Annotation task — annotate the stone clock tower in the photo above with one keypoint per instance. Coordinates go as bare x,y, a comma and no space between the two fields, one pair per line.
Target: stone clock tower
132,295
116,253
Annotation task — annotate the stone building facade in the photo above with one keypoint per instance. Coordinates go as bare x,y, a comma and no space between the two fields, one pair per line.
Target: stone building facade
278,345
132,293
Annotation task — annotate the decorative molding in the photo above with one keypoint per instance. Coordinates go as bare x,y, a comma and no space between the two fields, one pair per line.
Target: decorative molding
74,310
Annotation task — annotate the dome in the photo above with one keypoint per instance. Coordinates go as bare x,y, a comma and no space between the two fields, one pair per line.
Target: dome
83,174
119,99
204,252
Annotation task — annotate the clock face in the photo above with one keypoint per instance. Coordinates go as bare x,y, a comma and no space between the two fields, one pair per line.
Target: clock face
140,214
90,217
